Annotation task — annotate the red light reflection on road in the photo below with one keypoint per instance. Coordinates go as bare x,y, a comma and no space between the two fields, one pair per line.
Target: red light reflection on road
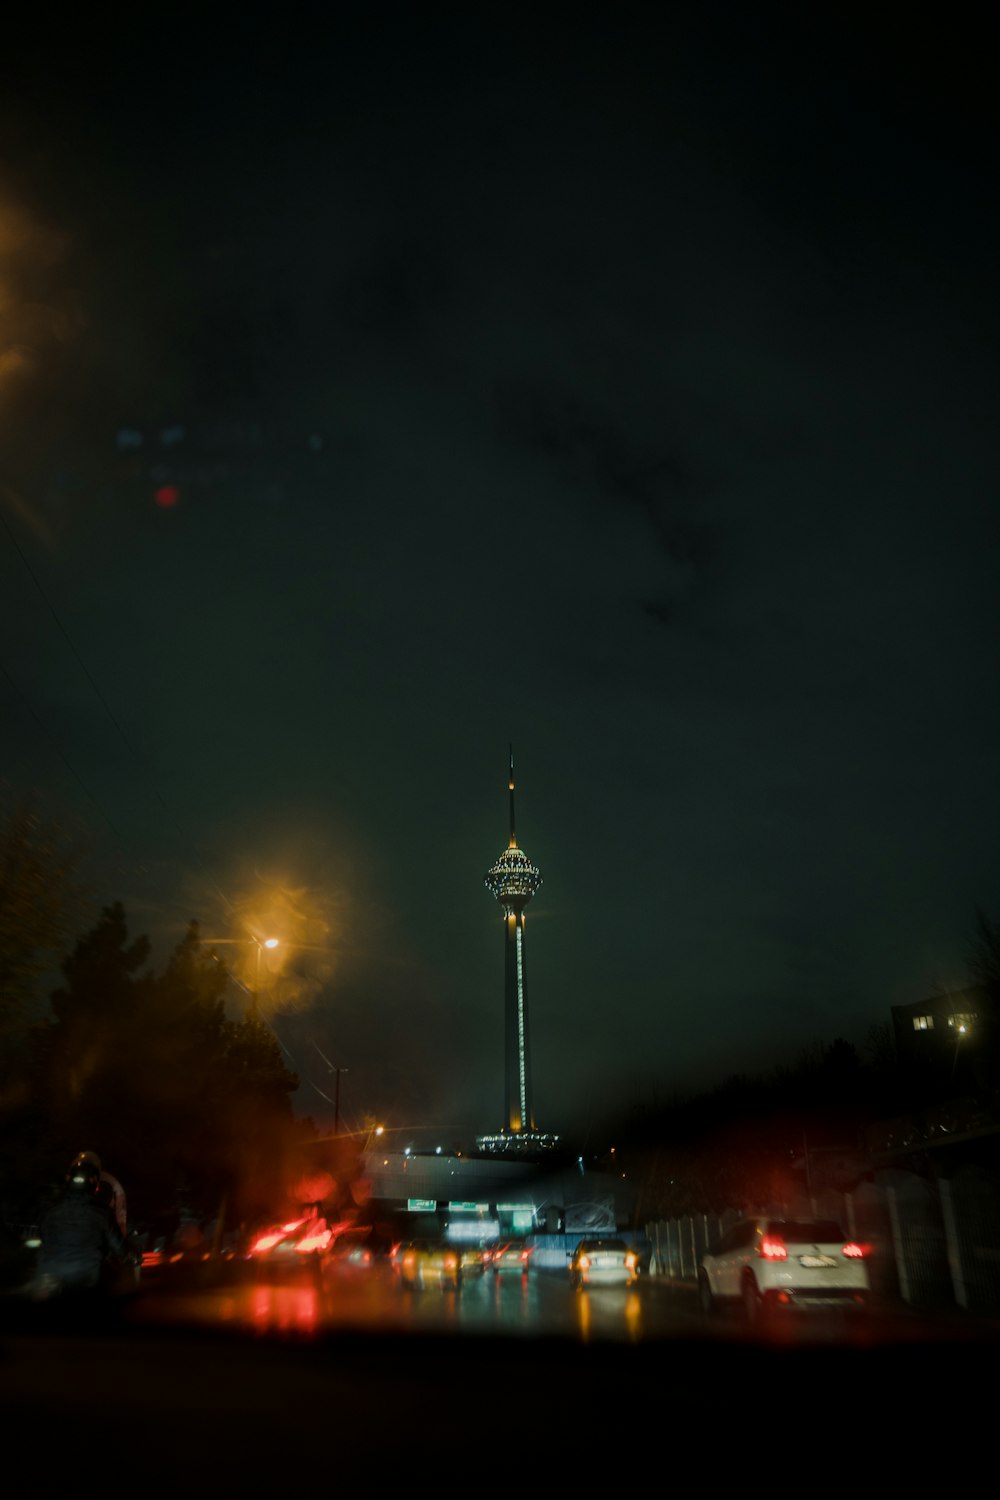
285,1309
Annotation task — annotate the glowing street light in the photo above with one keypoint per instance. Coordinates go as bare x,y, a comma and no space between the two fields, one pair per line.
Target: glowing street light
261,943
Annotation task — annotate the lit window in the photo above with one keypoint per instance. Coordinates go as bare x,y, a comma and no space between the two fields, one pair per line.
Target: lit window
923,1023
962,1022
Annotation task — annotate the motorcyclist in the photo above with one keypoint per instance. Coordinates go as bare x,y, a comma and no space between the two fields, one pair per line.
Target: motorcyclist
82,1247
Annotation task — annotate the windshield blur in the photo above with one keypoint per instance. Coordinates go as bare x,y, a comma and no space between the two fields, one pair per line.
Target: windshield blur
497,634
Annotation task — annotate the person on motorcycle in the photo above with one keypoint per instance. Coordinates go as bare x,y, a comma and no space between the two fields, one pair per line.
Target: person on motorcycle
82,1245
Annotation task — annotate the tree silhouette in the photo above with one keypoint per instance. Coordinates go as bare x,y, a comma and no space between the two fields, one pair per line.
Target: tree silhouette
984,971
984,955
181,1103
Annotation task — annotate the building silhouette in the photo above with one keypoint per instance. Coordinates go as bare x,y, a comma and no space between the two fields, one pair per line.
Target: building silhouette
949,1042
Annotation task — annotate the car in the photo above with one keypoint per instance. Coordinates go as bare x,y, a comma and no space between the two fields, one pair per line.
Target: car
766,1263
296,1244
348,1252
428,1262
473,1259
512,1257
603,1261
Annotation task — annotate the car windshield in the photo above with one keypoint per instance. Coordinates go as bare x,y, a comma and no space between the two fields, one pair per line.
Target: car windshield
499,623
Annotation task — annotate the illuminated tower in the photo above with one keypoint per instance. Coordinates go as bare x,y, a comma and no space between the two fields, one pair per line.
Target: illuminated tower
513,880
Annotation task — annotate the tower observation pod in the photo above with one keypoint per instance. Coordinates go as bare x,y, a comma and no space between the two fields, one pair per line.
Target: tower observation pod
513,880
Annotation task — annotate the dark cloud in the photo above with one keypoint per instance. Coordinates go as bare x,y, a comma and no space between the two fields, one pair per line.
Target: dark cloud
624,390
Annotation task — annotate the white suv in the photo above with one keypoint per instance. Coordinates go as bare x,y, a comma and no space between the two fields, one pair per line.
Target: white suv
767,1263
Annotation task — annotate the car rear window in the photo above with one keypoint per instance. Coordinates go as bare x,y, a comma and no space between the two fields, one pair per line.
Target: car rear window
808,1230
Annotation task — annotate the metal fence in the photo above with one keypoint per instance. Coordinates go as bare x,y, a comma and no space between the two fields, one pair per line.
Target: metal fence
934,1243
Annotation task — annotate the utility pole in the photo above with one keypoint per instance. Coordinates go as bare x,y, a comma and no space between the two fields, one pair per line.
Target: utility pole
271,942
332,1068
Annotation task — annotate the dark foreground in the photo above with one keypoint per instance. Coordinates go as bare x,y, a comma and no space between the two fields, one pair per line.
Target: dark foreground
206,1412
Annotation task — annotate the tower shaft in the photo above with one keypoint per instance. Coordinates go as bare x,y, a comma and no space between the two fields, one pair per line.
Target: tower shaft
517,1054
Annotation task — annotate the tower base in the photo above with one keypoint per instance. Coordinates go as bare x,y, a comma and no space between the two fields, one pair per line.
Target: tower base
517,1143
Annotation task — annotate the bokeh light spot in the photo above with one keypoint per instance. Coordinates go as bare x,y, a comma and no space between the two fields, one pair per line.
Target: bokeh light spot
166,496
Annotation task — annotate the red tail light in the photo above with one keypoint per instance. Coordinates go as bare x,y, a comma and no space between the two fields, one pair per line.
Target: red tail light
317,1241
267,1241
855,1251
773,1248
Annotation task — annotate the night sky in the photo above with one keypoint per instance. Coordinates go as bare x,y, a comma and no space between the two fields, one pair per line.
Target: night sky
382,385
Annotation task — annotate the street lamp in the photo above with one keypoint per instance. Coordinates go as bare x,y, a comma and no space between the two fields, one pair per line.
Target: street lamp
961,1026
259,943
271,942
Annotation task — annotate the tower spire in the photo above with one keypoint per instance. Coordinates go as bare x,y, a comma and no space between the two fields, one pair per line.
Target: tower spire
510,788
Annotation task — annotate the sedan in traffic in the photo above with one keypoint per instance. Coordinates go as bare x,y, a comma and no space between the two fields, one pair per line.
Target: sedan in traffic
607,1261
291,1246
429,1263
473,1259
510,1259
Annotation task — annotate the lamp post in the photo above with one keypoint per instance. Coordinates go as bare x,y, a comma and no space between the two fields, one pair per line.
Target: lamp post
259,943
271,942
961,1030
